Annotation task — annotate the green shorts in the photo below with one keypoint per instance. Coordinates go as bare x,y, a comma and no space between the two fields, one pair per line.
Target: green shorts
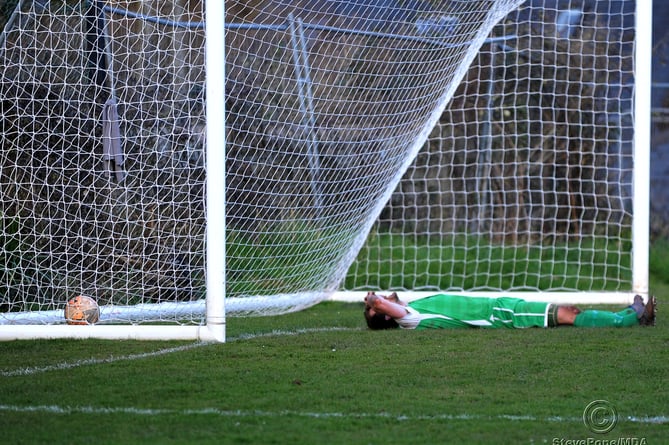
454,311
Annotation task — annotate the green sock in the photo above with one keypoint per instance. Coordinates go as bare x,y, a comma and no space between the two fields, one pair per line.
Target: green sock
603,319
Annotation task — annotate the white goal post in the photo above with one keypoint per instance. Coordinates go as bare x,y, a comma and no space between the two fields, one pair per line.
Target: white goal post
183,162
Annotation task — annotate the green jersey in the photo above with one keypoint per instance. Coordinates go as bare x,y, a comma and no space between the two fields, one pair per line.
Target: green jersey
453,311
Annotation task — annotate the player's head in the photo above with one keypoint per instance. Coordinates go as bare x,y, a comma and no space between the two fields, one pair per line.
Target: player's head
376,320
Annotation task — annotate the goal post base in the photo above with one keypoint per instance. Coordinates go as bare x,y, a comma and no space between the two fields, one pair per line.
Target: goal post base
205,333
623,298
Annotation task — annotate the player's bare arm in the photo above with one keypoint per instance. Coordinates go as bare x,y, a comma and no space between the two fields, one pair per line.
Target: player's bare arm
389,306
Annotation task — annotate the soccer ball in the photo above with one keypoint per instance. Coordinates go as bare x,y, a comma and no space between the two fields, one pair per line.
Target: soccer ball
82,310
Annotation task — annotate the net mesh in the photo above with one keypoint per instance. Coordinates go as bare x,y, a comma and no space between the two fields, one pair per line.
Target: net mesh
525,183
103,153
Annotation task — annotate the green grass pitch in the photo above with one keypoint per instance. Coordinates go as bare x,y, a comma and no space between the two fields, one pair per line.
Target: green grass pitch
318,376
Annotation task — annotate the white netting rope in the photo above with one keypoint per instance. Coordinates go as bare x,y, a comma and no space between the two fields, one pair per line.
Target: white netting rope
102,156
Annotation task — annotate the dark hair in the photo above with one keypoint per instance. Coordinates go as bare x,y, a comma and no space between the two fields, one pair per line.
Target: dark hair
379,321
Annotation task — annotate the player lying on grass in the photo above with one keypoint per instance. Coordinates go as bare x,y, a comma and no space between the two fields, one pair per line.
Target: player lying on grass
451,311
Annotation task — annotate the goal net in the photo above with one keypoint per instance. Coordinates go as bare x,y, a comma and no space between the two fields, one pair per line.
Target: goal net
534,181
107,145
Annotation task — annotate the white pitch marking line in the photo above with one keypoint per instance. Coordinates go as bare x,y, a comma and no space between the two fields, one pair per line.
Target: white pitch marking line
113,359
94,361
55,409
